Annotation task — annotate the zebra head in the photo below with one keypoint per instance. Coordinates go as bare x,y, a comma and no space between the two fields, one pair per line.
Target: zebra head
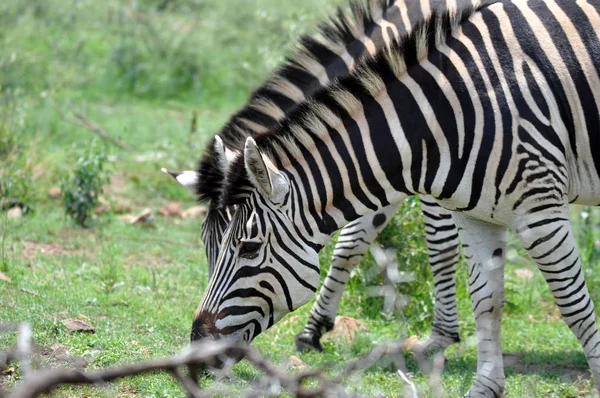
265,267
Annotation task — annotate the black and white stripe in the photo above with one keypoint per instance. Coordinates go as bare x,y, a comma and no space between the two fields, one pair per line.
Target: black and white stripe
492,111
344,41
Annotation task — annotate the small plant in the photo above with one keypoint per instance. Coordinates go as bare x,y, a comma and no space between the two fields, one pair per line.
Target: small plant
83,186
16,188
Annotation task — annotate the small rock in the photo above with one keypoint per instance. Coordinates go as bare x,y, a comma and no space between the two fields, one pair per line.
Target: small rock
194,212
15,212
145,217
297,363
75,325
171,210
174,209
4,278
54,193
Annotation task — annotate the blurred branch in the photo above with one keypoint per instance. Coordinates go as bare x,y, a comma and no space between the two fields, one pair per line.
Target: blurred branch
203,355
22,352
413,389
80,119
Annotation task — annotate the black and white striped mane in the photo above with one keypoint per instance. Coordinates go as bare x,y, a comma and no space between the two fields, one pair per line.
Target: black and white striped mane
312,119
286,88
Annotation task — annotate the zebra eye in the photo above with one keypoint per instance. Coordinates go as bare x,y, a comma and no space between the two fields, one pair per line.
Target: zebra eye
249,249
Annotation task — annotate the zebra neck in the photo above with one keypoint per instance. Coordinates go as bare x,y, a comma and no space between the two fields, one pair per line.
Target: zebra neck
364,164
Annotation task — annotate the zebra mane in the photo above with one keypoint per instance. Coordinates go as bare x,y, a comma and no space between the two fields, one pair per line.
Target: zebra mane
312,120
286,87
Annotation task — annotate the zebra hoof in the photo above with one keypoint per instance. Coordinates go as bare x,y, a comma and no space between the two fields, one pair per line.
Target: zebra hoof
307,342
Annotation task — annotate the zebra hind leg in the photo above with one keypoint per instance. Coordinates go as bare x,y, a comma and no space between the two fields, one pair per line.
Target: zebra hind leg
443,250
550,241
353,242
484,246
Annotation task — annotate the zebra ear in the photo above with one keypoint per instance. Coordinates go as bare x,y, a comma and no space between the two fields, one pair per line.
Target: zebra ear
187,178
224,154
263,173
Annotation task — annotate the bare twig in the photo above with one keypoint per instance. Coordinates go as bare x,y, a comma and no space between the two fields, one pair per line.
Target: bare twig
413,389
188,383
24,347
82,120
31,293
22,352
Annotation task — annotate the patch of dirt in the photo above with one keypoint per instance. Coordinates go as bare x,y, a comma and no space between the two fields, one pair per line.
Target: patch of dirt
57,356
514,361
32,249
127,391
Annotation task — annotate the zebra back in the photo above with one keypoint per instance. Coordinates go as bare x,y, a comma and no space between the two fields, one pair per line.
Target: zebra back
343,40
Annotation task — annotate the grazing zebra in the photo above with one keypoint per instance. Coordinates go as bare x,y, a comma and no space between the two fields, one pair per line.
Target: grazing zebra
346,39
493,111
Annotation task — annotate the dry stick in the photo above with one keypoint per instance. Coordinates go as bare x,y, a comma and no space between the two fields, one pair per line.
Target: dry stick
413,389
191,387
83,121
24,347
32,293
202,354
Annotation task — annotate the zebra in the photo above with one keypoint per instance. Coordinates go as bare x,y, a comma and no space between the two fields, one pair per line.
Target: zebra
491,110
353,242
371,26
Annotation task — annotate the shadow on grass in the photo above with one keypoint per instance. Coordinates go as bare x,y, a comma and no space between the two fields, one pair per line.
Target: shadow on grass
568,366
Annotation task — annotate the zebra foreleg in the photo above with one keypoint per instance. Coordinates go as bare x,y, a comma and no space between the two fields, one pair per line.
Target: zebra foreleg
550,241
353,242
484,245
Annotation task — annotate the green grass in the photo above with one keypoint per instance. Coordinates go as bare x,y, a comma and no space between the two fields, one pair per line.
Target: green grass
141,73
